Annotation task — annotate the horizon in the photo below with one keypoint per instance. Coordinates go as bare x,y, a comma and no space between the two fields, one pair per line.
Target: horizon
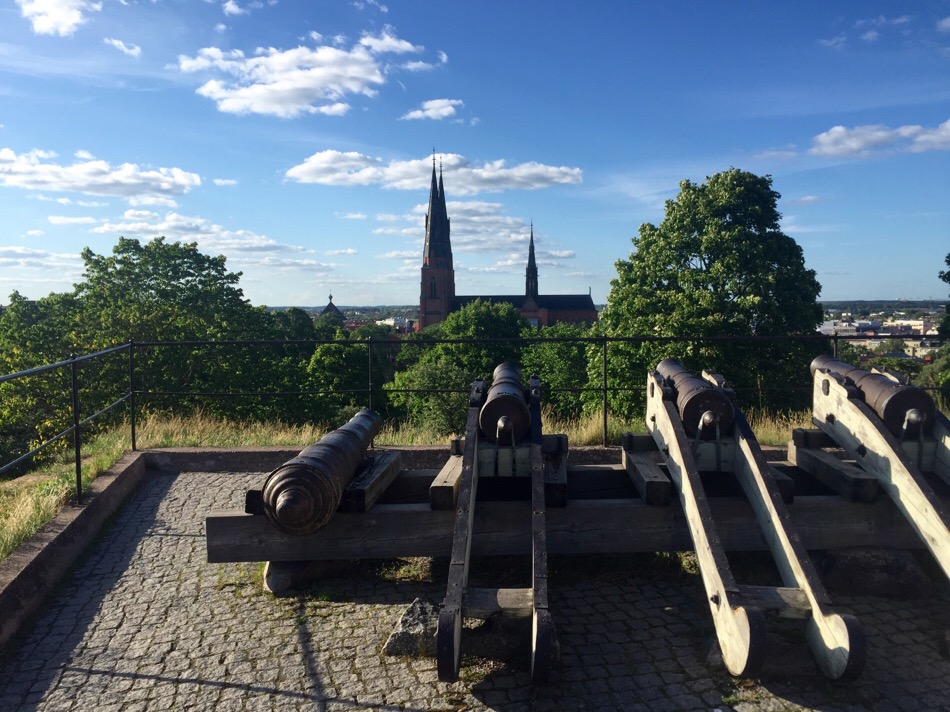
297,139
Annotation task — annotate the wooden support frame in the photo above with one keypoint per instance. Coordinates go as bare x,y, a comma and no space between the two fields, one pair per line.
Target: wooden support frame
739,628
839,411
448,639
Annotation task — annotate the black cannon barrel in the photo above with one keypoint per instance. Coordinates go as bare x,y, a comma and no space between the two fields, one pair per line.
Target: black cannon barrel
302,495
695,397
892,402
507,398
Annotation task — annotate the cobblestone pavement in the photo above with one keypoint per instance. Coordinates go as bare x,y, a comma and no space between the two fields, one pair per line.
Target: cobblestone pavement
146,624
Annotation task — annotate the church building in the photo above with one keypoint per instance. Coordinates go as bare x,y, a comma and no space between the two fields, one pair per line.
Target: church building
438,298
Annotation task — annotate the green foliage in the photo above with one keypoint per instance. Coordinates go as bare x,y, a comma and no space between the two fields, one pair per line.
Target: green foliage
561,366
448,367
944,327
718,265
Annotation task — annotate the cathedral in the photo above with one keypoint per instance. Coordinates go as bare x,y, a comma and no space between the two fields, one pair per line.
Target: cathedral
437,293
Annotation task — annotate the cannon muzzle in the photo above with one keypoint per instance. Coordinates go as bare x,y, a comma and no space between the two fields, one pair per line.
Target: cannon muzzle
302,495
507,398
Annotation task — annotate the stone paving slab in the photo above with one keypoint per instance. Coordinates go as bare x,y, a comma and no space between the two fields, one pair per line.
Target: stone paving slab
145,623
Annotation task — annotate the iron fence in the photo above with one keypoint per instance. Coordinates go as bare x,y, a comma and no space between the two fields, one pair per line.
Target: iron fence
133,392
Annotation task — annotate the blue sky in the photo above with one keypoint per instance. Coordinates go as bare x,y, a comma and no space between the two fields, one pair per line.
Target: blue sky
296,137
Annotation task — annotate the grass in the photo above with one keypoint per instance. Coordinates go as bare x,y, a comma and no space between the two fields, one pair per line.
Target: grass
28,502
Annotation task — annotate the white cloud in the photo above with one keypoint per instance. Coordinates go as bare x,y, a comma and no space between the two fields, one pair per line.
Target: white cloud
362,4
66,220
209,235
834,42
863,141
387,42
352,168
434,109
57,17
806,199
286,83
343,251
871,36
83,155
413,255
943,25
35,170
130,50
353,216
225,181
231,8
35,233
25,257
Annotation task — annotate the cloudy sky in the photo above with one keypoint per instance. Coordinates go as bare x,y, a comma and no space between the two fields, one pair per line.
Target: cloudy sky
297,137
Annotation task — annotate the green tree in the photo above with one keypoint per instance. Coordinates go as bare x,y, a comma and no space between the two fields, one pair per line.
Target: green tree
944,327
717,265
561,366
448,368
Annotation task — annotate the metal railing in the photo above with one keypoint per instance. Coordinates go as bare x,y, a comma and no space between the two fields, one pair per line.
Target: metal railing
132,391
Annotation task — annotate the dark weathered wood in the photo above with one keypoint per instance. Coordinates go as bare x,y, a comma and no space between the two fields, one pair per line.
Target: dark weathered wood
443,492
409,487
599,526
637,442
449,631
543,641
812,438
555,473
844,478
785,484
369,484
787,602
651,482
483,603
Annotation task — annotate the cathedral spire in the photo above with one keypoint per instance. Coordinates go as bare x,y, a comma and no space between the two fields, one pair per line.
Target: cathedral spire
438,248
531,273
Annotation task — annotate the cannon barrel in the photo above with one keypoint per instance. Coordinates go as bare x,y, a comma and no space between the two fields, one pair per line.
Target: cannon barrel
895,404
507,398
302,495
696,397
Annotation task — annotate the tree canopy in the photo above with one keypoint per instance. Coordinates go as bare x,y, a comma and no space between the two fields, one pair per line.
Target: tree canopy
717,265
944,326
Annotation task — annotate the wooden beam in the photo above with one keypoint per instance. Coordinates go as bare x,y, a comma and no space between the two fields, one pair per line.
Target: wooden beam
368,486
444,490
483,603
787,602
849,481
651,482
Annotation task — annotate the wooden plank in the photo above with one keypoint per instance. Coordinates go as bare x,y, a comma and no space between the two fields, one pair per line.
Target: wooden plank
787,602
637,442
786,485
651,482
741,630
483,603
369,484
812,438
443,492
941,436
599,526
837,641
849,481
449,630
409,487
599,482
543,639
863,436
554,454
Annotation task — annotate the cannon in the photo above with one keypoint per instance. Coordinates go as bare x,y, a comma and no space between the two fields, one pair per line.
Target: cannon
505,418
301,496
902,408
681,406
896,437
702,407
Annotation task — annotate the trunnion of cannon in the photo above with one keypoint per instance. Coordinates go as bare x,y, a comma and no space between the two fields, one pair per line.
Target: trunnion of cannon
302,495
900,407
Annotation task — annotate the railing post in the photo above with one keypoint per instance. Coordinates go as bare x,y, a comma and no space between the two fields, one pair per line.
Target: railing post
369,371
132,390
605,388
834,342
77,436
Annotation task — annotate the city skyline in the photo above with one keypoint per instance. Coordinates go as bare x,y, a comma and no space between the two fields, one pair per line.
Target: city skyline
297,139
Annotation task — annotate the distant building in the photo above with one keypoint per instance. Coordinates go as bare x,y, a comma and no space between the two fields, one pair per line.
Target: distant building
332,314
437,290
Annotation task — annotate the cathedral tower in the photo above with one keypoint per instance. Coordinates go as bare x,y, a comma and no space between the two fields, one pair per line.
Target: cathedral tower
438,275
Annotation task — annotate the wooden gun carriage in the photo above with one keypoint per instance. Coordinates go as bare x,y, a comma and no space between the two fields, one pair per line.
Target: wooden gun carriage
507,488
